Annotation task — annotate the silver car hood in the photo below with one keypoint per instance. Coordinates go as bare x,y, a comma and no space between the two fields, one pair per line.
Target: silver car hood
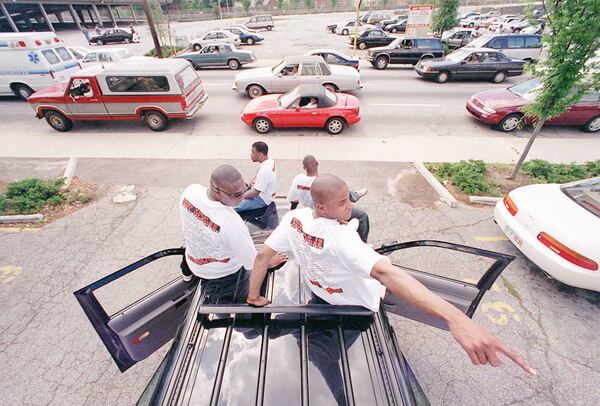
255,73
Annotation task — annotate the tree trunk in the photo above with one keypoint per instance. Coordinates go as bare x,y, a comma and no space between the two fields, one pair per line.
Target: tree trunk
150,19
534,135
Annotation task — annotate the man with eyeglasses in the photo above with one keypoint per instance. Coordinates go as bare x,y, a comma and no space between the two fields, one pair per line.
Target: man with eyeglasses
219,249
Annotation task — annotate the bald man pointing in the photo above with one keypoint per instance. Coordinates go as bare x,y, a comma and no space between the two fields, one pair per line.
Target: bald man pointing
341,269
218,243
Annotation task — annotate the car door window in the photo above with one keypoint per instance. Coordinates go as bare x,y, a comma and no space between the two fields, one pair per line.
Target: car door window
407,44
91,57
330,58
532,42
589,98
497,43
290,69
294,104
221,35
310,69
490,57
515,42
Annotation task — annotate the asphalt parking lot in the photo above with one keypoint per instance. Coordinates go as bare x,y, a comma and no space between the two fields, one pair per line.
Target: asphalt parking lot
47,344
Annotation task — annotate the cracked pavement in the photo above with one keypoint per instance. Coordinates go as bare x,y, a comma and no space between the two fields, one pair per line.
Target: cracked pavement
51,355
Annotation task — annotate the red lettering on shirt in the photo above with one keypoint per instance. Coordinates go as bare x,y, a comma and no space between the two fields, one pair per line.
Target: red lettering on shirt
311,240
331,291
302,187
201,216
204,261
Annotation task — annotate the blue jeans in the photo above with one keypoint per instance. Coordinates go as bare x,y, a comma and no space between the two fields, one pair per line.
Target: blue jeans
250,204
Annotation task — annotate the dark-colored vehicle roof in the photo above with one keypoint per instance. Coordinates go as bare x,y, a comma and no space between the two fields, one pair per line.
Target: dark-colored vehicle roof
296,351
112,32
303,59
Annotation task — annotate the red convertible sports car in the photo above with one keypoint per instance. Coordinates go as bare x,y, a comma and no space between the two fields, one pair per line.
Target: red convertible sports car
304,106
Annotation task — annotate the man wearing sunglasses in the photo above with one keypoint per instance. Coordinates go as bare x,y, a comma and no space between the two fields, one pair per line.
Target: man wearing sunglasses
219,248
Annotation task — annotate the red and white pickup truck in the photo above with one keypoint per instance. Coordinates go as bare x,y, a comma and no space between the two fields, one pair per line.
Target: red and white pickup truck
155,90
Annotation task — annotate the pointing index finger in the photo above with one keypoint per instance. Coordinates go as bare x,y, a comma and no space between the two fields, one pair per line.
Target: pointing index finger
517,359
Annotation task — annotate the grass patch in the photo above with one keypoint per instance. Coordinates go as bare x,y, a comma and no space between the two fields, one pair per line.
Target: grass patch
29,196
167,51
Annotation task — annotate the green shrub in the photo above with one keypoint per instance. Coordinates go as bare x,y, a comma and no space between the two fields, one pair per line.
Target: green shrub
2,204
593,167
467,176
546,172
29,195
167,51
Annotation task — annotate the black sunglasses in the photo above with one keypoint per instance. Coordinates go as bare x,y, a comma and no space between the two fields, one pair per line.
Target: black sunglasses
231,195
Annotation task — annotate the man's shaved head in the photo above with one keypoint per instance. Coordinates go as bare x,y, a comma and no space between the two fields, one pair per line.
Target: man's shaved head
225,176
325,186
310,164
330,195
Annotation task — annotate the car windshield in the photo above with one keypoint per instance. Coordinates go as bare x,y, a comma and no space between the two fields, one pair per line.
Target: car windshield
527,90
278,66
585,193
458,56
286,99
396,42
124,54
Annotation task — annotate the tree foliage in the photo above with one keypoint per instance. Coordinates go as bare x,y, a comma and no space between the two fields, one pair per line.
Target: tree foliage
569,70
246,4
444,17
280,4
308,3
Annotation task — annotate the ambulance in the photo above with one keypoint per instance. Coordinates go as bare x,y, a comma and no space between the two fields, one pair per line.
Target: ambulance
30,61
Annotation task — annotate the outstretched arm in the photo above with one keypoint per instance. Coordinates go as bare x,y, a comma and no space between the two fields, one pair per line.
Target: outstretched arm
481,346
259,271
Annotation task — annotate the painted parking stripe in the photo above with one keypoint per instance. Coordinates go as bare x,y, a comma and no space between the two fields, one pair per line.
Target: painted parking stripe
404,105
216,83
491,238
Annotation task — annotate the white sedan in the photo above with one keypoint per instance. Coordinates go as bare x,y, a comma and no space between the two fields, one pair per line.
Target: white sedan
558,228
213,37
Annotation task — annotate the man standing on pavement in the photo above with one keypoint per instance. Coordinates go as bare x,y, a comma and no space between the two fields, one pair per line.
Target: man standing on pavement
263,186
219,249
86,34
98,30
342,270
300,193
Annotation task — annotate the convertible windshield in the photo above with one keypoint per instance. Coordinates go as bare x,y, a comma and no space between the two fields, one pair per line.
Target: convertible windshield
585,193
458,56
287,99
278,66
527,90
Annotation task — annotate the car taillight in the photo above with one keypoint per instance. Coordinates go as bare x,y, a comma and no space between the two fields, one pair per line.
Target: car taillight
510,205
566,252
38,43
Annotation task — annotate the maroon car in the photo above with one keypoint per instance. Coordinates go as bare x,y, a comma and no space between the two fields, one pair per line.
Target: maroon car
502,108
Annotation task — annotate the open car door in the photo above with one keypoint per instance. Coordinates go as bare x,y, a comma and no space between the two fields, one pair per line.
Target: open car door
136,331
464,295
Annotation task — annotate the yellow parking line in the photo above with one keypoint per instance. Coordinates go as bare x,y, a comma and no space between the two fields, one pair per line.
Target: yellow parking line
491,238
8,273
18,230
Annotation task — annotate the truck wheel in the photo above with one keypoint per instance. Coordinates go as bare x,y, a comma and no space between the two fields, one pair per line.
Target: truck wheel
99,42
381,62
269,27
22,91
262,125
362,45
58,121
255,91
233,64
250,41
335,125
156,121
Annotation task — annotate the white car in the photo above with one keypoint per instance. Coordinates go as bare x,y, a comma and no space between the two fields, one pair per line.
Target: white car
473,21
293,71
105,56
558,228
347,27
212,37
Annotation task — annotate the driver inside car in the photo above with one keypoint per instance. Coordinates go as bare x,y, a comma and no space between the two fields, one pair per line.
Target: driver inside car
343,270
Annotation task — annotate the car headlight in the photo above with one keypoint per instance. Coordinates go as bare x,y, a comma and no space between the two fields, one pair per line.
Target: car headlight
427,69
488,110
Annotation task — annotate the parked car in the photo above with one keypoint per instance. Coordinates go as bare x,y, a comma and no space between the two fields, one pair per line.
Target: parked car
471,63
363,18
105,56
260,22
537,29
331,28
498,25
112,35
297,70
79,52
556,227
245,28
332,111
502,108
370,38
463,16
378,17
290,351
459,37
517,46
393,20
347,27
473,21
406,50
245,37
219,55
400,27
333,57
512,26
154,90
214,37
526,23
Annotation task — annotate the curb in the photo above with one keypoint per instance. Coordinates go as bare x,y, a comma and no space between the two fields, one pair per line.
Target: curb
22,218
490,201
69,172
435,184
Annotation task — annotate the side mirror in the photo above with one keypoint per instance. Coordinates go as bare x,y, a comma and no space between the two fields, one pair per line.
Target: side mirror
463,62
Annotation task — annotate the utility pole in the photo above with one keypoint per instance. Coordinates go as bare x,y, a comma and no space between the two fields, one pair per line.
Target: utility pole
150,19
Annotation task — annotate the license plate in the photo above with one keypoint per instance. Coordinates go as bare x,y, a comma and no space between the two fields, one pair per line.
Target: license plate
513,236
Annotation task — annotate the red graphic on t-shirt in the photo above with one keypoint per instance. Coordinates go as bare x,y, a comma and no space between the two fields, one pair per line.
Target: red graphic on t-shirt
204,261
311,240
201,216
328,290
302,187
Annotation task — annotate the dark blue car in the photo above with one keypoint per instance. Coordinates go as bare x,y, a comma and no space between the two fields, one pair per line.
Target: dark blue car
246,37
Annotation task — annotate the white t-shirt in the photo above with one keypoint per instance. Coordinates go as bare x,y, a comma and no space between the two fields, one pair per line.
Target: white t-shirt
300,190
217,241
335,263
266,181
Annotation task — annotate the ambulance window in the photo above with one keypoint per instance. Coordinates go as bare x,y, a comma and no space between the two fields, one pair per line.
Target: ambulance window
51,56
138,83
186,78
63,53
